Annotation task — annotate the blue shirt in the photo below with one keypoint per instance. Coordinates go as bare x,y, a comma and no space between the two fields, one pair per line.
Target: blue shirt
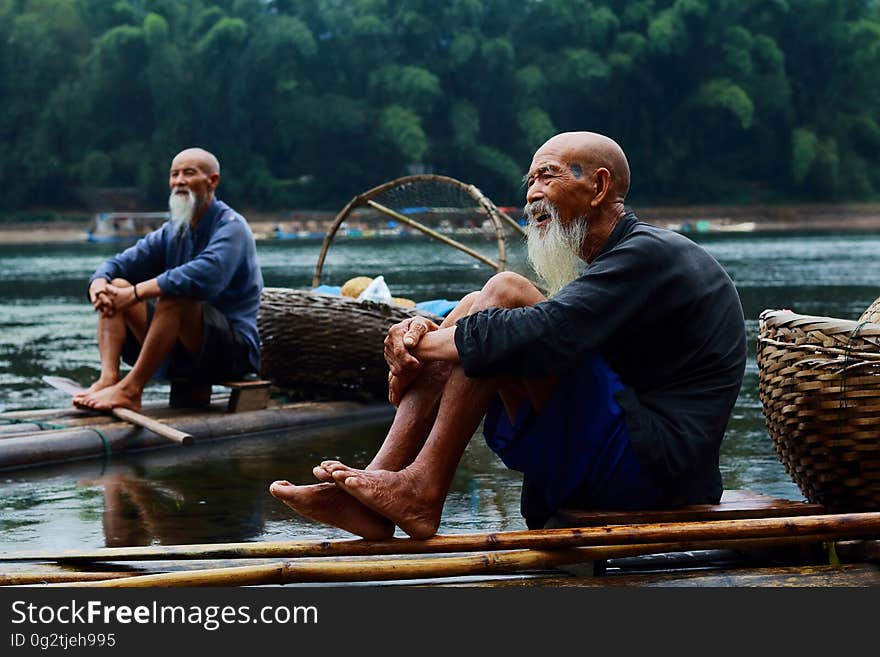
215,263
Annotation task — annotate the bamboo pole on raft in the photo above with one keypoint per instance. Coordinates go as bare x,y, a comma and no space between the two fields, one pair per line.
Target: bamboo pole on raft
832,526
391,568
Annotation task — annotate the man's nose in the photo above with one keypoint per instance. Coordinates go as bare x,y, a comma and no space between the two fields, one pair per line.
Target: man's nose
534,193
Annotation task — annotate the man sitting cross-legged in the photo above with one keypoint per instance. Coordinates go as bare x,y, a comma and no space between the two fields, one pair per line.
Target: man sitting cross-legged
614,392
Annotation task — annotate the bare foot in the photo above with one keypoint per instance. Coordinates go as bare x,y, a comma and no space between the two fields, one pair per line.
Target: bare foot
115,396
104,381
329,504
399,496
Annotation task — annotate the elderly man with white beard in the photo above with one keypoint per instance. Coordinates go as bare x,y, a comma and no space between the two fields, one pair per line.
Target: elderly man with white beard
612,393
182,301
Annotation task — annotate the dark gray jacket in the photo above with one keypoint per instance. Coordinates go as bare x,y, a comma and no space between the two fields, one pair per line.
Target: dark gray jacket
666,317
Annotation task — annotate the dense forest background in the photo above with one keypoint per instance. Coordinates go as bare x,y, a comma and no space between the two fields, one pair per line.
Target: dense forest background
308,102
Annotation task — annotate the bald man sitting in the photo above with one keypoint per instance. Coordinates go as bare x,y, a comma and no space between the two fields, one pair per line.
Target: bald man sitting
614,391
181,302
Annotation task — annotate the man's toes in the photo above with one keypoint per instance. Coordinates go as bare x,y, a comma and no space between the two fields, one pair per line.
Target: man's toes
278,486
321,474
341,475
348,478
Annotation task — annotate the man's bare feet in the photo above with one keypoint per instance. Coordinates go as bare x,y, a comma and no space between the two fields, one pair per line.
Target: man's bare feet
115,396
327,503
399,496
102,382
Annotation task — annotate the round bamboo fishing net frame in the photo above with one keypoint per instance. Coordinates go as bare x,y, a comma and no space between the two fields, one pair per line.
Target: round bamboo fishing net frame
409,198
819,386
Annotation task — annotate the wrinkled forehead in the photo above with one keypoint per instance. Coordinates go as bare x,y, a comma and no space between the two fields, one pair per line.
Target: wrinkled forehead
548,164
189,161
553,157
196,158
545,165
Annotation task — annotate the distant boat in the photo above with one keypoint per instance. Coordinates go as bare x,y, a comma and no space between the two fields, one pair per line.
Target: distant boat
123,226
713,226
280,234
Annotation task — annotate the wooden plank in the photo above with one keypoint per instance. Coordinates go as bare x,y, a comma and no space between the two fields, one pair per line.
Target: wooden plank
248,395
735,504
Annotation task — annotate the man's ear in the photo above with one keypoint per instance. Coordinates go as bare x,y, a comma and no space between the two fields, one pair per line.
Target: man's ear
602,181
215,180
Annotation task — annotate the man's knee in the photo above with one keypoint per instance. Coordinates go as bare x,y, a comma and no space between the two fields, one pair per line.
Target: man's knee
508,289
167,303
185,309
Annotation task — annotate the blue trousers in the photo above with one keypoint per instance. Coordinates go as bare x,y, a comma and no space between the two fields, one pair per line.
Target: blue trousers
576,452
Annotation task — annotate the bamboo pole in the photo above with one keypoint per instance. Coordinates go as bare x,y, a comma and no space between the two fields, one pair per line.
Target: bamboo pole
151,567
55,577
125,414
850,525
346,569
155,426
355,571
437,236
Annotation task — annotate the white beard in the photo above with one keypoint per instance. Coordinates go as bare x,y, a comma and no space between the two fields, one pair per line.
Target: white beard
181,209
553,249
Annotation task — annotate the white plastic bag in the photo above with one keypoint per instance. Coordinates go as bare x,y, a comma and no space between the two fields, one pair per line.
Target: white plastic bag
376,291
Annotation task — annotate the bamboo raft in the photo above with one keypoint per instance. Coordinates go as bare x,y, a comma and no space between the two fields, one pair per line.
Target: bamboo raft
805,547
50,436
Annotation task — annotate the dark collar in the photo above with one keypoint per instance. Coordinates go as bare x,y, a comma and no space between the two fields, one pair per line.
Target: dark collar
624,225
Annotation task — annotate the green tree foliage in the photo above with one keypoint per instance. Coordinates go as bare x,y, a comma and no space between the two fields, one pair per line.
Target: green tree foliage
308,102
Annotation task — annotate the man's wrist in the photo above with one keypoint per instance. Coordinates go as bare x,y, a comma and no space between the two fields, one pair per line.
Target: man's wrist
137,297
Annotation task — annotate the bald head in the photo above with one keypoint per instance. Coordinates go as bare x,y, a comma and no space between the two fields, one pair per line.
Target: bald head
585,152
194,175
205,160
577,183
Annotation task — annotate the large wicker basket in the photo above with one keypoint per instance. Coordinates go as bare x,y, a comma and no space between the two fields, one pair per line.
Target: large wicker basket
819,385
318,346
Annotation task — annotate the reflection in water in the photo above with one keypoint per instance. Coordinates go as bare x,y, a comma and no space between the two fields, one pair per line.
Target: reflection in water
218,492
136,512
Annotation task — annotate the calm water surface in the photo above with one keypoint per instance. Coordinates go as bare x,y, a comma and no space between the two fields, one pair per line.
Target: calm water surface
217,492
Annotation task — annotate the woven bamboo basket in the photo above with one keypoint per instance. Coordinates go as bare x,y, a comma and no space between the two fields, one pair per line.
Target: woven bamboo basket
318,346
819,385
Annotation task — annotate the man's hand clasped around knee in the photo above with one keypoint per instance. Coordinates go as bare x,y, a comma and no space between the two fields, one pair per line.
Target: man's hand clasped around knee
108,299
101,300
403,367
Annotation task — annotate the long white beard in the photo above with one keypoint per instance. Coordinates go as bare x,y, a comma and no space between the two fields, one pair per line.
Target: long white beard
553,249
181,210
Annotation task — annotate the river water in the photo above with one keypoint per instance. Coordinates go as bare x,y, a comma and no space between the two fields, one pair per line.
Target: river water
217,492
